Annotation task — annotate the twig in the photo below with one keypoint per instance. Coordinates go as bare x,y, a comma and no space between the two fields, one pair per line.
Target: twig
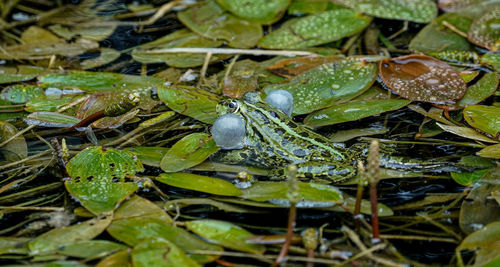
254,52
453,28
373,178
203,71
159,13
31,208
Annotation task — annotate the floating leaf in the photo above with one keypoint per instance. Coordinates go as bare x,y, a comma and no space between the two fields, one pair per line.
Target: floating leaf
98,81
48,102
481,90
263,11
484,118
121,258
466,132
138,218
90,248
190,101
93,33
346,135
242,79
301,7
189,151
435,37
316,29
149,155
180,38
209,20
200,183
485,31
35,34
52,240
51,119
20,73
98,177
327,84
421,11
454,5
352,111
291,67
106,56
308,193
14,245
225,234
491,59
45,50
492,151
16,149
422,78
20,93
160,252
468,178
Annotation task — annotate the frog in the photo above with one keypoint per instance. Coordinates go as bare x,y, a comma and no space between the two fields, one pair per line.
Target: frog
274,140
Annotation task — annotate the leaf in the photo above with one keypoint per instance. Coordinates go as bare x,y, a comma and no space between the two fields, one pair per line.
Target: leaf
20,93
106,56
420,11
93,33
485,242
262,11
190,101
121,258
301,7
242,79
484,118
225,234
48,102
422,78
492,151
160,252
491,59
98,177
316,29
200,183
138,218
468,178
50,119
148,155
309,193
189,151
327,84
20,73
52,240
466,132
180,38
17,148
90,248
45,50
485,31
481,90
291,67
436,37
454,5
352,111
209,20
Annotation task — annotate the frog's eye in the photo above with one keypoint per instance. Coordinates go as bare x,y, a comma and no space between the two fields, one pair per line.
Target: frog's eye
233,106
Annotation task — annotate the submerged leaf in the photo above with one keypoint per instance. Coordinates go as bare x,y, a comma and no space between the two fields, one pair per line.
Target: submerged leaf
485,31
51,119
189,151
160,252
242,79
17,148
225,234
316,29
422,78
327,84
20,93
199,183
98,177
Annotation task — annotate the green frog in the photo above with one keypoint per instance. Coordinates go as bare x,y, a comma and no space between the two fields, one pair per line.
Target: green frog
273,140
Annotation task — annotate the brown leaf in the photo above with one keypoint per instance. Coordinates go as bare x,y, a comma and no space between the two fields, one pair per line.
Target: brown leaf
291,67
422,78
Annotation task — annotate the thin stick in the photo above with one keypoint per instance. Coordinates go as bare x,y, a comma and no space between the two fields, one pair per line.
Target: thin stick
160,13
254,52
453,28
417,237
203,71
31,208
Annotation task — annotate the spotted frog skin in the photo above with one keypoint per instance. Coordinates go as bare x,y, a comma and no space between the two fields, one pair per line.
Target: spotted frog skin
273,140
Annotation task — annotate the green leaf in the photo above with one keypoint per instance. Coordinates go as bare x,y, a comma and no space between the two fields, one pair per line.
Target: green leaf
180,38
90,248
190,101
485,242
327,84
20,73
121,258
353,111
200,183
16,149
14,245
301,7
491,59
421,11
106,56
48,102
435,37
468,178
98,177
262,11
148,155
481,90
466,132
138,218
20,93
160,252
52,240
492,151
484,118
98,81
316,29
51,119
308,192
189,151
485,31
225,234
209,20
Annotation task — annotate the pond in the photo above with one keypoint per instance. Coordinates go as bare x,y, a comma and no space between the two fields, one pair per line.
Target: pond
266,132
